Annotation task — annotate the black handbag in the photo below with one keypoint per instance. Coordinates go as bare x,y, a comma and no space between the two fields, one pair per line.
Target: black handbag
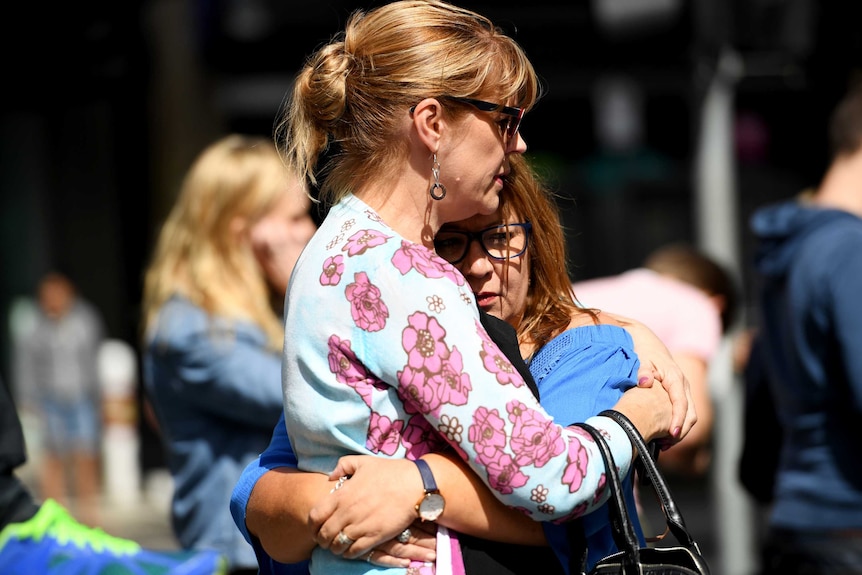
632,559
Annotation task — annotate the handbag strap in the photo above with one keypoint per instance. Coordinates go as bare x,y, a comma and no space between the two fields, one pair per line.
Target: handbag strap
624,531
673,517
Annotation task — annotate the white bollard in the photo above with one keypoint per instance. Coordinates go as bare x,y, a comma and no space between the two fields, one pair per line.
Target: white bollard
121,443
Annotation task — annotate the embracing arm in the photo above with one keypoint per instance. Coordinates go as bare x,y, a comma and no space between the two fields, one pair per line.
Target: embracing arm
471,507
656,359
380,498
277,512
394,485
284,505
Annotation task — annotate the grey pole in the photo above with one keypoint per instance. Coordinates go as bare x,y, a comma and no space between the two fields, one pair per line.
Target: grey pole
717,217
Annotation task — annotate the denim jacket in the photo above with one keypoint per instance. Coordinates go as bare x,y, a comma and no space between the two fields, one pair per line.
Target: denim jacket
216,390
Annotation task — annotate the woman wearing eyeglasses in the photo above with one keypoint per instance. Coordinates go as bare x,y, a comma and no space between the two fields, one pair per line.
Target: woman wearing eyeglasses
583,362
384,351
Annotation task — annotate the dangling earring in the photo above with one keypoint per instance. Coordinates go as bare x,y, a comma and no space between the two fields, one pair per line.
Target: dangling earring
435,169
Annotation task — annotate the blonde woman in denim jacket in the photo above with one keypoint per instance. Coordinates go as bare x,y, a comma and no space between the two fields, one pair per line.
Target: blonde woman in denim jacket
213,335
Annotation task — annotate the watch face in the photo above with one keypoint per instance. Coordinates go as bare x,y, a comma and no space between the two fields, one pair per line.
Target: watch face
431,507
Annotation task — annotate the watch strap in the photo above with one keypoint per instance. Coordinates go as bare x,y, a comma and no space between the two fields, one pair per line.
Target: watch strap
427,477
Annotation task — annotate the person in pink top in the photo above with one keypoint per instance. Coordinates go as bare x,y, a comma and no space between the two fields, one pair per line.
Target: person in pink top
689,300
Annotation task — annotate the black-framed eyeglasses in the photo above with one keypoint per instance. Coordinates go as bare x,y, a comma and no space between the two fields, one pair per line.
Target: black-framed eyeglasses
510,125
500,242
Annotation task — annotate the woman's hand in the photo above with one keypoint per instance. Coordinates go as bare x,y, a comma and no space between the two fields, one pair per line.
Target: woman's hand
658,364
371,509
420,538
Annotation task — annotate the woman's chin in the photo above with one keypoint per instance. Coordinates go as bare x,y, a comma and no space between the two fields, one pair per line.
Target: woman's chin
490,205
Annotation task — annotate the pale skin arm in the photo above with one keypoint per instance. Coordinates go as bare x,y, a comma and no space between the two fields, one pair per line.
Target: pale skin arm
387,484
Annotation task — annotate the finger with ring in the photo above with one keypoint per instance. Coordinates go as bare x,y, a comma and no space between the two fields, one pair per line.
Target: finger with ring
368,557
404,536
339,483
343,539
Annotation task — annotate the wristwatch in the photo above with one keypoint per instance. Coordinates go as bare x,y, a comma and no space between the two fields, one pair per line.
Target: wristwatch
432,503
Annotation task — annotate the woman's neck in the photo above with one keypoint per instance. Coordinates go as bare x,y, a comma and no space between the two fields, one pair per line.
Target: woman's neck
409,213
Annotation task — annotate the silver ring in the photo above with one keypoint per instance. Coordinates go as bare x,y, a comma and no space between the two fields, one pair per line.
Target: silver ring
404,536
343,539
339,483
368,557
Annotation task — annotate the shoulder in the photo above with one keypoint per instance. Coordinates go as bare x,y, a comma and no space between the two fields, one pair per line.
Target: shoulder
582,349
831,252
181,324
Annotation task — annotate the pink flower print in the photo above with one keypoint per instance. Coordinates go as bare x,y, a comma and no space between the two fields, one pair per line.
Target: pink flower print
535,439
423,341
576,470
453,385
415,256
416,391
487,434
504,474
368,310
497,363
420,438
348,369
359,242
333,267
582,507
384,435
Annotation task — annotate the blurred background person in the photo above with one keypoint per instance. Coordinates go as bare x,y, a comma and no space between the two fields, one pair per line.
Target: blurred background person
213,335
809,265
689,300
58,381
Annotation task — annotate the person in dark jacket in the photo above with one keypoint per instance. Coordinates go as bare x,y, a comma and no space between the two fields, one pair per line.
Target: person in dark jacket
809,268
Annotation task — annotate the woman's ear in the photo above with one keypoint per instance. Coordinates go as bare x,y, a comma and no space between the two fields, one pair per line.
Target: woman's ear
429,121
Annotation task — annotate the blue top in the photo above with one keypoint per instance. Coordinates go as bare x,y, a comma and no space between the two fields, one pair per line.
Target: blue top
598,359
216,389
581,372
809,261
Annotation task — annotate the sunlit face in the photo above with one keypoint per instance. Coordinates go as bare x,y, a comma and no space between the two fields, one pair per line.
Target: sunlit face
475,164
499,291
284,231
